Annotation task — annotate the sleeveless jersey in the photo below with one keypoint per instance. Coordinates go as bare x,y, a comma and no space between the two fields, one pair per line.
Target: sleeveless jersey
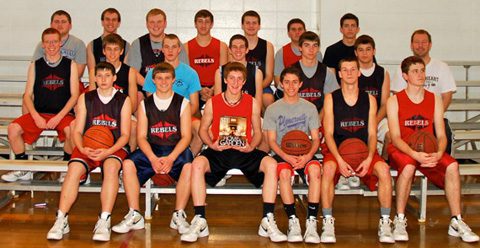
228,120
312,88
289,58
100,114
249,86
121,83
149,57
412,116
204,60
350,121
373,84
51,88
258,56
164,126
98,50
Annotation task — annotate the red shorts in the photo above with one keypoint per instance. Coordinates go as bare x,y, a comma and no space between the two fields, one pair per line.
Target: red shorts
369,179
282,165
194,118
31,132
436,175
90,165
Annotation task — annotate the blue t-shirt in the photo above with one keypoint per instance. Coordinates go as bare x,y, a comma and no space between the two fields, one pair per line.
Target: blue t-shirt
186,81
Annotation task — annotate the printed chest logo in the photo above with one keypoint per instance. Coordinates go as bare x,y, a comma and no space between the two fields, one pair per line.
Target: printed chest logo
417,122
157,52
53,82
255,61
310,94
204,60
297,122
353,125
163,130
118,87
430,81
372,91
105,120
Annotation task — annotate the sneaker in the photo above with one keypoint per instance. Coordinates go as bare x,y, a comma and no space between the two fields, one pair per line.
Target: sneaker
328,230
311,234
343,183
294,233
198,229
13,176
458,228
385,231
83,179
268,228
179,221
58,229
132,221
354,182
102,230
400,229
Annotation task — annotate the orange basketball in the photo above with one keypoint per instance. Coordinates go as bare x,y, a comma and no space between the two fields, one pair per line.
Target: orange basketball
98,137
163,180
296,142
353,151
422,141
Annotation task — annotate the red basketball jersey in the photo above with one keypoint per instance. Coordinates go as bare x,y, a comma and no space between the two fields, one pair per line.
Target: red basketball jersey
204,60
413,116
228,119
289,58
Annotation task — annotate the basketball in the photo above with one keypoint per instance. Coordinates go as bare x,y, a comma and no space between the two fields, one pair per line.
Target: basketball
98,137
163,180
353,151
296,143
422,141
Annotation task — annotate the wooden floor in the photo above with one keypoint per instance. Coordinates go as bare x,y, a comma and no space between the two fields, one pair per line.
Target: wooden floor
233,222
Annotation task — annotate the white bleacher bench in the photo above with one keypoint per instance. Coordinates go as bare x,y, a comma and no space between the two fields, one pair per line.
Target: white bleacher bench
230,189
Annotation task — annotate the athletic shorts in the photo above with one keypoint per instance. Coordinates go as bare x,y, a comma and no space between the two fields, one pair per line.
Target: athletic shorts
436,175
303,173
382,130
369,179
90,165
144,167
268,90
31,132
222,162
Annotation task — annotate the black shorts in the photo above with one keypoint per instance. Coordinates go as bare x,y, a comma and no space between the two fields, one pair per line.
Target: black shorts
222,162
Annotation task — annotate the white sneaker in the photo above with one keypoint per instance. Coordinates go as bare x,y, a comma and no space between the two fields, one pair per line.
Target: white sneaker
311,234
354,182
328,230
102,230
343,183
198,229
268,228
458,228
385,231
400,229
179,221
132,221
294,233
13,176
58,229
86,180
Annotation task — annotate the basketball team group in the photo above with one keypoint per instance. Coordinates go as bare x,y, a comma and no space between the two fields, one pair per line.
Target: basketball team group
185,114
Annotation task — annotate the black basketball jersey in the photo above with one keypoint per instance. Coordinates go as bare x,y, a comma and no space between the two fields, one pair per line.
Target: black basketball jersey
350,121
51,88
101,114
98,50
249,86
373,84
164,127
312,88
258,56
149,57
121,83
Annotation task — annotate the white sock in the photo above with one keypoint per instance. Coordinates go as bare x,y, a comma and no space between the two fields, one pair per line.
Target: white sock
60,213
104,215
401,216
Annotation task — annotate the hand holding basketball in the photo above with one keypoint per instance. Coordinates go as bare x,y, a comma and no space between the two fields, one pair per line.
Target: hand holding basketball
422,141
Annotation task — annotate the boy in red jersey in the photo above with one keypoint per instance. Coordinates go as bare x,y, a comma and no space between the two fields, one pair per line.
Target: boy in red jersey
412,109
105,106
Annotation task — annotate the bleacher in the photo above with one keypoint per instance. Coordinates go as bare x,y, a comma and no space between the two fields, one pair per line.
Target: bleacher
465,126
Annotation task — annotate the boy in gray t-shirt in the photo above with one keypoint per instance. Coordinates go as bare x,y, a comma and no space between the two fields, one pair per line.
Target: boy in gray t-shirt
294,113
